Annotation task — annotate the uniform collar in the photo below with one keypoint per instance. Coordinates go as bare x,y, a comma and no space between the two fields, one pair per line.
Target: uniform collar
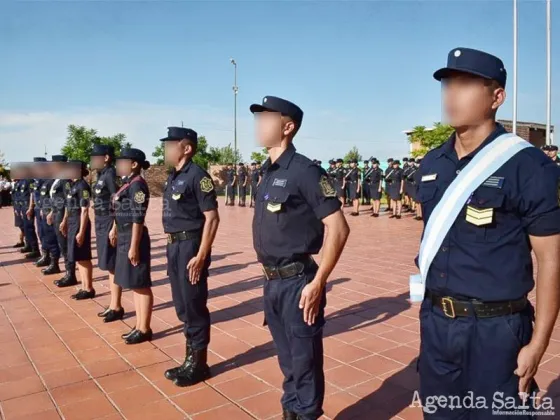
448,148
184,168
284,159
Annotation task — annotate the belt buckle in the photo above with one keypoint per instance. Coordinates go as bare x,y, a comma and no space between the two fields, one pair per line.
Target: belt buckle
169,238
447,306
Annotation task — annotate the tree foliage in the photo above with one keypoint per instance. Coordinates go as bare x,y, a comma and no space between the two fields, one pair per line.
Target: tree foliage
80,141
259,156
224,155
428,139
353,153
159,154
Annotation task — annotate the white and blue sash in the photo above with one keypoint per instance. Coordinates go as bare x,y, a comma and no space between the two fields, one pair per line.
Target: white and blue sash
479,169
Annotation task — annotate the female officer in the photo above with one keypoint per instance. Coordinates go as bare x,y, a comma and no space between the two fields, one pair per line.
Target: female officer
102,159
375,187
77,228
133,262
395,185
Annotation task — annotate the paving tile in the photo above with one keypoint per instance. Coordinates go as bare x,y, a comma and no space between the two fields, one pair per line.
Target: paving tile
159,409
65,377
346,376
229,412
107,367
243,387
27,405
263,406
20,388
93,408
121,381
51,414
74,393
200,400
146,357
136,396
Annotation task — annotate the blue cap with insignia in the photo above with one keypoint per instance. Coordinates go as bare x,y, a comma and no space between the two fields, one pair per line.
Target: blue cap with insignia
284,107
180,133
136,155
103,150
59,158
39,159
475,62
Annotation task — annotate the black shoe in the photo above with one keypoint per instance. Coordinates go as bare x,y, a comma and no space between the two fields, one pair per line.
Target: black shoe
32,255
114,315
104,313
67,282
44,261
18,245
126,335
398,216
53,268
392,216
196,372
83,295
66,277
375,215
289,415
138,337
354,214
26,249
172,373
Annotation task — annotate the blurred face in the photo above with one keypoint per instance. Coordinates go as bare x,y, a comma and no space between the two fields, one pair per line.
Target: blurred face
338,164
98,162
374,164
271,128
352,165
125,167
470,100
552,154
173,152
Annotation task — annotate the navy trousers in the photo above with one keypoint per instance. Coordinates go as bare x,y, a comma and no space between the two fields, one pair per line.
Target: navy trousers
49,241
465,355
190,300
40,228
299,346
29,230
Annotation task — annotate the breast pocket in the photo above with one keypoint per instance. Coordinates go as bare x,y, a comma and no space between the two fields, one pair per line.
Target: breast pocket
276,200
483,218
426,196
180,193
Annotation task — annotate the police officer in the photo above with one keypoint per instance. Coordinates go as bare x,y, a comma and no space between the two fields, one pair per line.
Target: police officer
102,160
49,241
375,182
76,226
132,240
16,203
231,183
552,152
395,185
37,202
255,178
331,170
31,248
476,322
190,220
416,184
389,169
59,191
410,186
364,189
339,174
295,201
242,184
352,183
406,168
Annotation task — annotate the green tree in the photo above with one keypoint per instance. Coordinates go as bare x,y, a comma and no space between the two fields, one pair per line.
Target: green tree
80,141
159,155
353,154
260,156
224,155
428,139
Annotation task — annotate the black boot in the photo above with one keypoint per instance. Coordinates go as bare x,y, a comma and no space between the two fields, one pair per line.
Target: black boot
33,254
26,249
197,372
289,415
172,373
19,245
53,268
44,261
71,280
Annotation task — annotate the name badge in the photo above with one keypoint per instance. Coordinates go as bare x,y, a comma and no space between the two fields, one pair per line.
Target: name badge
274,207
428,178
479,217
69,196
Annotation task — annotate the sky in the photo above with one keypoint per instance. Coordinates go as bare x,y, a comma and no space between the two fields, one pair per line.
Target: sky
360,70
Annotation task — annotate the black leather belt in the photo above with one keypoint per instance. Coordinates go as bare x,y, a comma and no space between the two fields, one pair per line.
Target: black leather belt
182,236
102,212
286,271
453,308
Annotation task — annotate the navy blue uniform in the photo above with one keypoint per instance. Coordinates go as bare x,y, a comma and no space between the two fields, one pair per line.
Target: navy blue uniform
189,193
393,180
38,200
366,177
59,190
483,263
16,200
374,183
103,191
338,175
49,240
26,189
230,185
293,198
410,183
131,205
352,182
242,187
78,197
255,176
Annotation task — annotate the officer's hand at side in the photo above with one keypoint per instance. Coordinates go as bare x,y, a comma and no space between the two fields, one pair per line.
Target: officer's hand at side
49,219
80,237
310,301
527,364
29,214
194,267
134,256
63,229
113,237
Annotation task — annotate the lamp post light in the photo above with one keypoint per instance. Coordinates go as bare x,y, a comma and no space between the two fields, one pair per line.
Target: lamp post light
235,90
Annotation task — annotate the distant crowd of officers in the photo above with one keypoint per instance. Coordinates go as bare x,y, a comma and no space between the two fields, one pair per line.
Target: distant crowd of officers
354,186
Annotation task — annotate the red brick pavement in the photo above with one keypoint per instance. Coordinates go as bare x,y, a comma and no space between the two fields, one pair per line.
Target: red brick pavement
59,361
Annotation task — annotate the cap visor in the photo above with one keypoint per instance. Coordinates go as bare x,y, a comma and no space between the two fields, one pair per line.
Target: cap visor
170,139
448,71
259,108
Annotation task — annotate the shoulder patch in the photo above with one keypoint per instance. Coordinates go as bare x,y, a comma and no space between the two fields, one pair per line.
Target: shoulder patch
118,181
85,194
139,197
326,187
206,185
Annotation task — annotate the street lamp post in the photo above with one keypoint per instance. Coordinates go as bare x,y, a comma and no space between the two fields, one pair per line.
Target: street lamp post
235,90
514,119
548,75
